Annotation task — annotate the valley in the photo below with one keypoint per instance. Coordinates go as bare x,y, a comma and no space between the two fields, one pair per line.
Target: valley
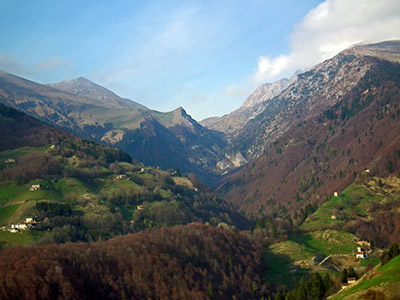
272,201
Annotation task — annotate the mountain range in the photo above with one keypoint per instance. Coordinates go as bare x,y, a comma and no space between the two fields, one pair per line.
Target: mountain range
312,163
296,116
165,140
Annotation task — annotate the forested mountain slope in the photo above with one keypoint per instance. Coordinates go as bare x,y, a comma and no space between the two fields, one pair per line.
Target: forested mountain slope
339,119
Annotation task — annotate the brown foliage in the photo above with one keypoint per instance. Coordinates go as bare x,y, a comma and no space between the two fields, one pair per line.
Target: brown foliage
382,228
373,295
32,166
324,155
19,130
184,262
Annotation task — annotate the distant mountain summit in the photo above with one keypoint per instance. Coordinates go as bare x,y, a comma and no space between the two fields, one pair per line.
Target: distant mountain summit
83,87
230,124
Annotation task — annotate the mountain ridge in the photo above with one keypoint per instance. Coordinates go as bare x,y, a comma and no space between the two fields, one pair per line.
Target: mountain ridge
77,108
86,88
315,154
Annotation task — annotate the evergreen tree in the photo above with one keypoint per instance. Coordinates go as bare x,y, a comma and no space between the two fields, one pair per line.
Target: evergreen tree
394,250
351,272
317,286
344,276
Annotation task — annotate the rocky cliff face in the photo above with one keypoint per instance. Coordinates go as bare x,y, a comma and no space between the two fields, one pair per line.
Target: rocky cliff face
233,122
262,119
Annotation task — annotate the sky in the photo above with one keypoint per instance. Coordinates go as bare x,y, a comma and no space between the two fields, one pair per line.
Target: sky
205,56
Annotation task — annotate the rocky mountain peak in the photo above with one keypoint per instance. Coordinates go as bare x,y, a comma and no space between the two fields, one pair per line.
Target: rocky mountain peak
180,111
264,92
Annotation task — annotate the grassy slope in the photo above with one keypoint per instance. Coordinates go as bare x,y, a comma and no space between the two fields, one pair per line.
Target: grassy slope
13,196
326,242
354,201
299,249
101,192
317,235
385,278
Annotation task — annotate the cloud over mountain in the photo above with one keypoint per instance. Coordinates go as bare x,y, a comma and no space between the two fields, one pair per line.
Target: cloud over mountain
329,28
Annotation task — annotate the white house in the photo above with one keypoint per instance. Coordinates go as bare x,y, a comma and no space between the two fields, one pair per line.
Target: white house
351,280
361,254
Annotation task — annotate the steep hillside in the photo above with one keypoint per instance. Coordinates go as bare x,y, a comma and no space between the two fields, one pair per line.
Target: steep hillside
368,208
306,95
91,111
315,138
83,191
380,283
183,262
20,130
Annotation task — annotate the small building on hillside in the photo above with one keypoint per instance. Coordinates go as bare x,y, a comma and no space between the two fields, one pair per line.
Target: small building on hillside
361,254
35,187
351,280
10,161
122,177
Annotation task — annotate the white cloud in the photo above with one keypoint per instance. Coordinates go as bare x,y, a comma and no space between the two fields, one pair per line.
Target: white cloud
271,67
330,28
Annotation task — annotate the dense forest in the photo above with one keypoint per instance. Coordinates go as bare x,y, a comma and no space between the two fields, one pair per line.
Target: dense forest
184,262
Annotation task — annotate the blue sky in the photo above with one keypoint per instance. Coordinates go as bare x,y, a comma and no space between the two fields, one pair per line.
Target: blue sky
206,56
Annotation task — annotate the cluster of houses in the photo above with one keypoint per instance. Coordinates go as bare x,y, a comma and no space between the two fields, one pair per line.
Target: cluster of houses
29,223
